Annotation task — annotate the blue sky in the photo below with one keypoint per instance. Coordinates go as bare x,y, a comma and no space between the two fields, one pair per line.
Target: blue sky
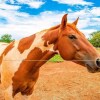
21,18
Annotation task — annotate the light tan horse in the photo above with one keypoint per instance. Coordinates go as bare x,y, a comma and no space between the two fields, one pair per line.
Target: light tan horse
20,61
2,47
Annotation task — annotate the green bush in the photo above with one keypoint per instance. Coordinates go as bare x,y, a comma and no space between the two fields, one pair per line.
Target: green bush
56,58
95,39
6,38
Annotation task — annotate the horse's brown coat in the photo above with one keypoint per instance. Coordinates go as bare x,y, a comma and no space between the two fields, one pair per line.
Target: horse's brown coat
25,43
24,74
51,36
27,74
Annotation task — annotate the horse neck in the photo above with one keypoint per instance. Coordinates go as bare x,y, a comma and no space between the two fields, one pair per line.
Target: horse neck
36,51
28,43
39,42
51,37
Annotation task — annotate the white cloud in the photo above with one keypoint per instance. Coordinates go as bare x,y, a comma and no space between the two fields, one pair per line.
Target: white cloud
74,2
22,24
8,7
95,11
87,17
17,31
35,4
12,1
87,32
69,10
31,3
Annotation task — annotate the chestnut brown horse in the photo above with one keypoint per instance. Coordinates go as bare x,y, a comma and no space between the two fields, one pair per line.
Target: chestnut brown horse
21,60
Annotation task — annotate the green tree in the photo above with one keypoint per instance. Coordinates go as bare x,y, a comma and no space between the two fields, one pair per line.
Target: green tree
6,38
95,39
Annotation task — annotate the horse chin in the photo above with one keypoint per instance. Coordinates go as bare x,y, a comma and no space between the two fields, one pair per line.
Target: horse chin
92,70
79,58
89,68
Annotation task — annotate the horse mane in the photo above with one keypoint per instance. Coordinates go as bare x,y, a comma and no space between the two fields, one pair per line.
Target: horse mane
51,35
54,27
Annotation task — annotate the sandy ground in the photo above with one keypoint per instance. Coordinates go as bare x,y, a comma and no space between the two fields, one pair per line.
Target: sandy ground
65,81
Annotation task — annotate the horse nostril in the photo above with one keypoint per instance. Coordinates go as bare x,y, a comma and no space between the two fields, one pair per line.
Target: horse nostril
98,62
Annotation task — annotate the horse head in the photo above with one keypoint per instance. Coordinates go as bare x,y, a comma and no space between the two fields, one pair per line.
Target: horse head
72,44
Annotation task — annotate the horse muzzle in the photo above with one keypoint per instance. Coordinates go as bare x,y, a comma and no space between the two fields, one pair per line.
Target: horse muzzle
98,62
93,66
91,62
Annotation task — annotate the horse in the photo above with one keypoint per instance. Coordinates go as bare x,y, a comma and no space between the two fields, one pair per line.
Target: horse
20,61
2,47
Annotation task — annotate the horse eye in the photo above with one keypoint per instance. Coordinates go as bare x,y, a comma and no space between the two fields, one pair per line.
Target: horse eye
72,37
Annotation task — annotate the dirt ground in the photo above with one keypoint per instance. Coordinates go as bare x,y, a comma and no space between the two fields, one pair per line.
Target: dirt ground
65,81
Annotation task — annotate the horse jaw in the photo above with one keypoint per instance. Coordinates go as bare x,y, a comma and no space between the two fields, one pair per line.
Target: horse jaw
83,59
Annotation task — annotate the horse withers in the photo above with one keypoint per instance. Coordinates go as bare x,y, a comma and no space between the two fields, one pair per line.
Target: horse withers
21,60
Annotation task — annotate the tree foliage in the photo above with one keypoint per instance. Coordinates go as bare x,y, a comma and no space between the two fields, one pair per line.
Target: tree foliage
95,39
6,38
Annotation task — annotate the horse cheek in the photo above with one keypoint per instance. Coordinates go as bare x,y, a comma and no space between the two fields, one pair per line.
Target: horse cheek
66,50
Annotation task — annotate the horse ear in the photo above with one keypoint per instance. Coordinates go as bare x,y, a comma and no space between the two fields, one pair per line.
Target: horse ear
63,22
75,22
